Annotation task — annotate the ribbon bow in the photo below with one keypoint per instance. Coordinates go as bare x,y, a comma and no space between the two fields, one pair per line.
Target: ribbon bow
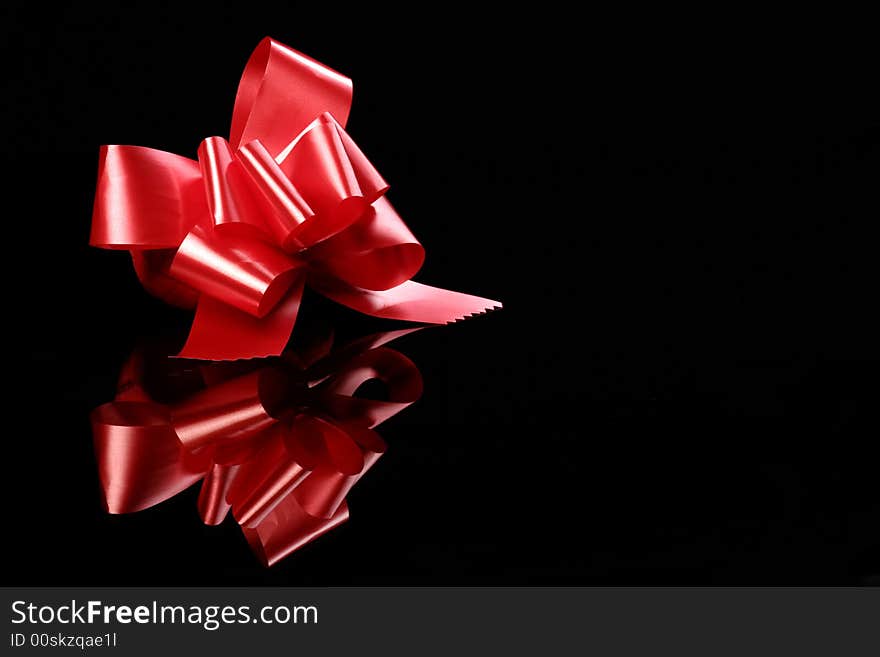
289,198
279,444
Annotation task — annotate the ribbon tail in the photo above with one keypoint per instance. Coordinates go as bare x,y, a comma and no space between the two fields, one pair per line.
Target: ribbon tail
221,332
410,301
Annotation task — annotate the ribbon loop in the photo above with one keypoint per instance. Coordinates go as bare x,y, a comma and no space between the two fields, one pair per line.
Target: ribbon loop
245,273
290,211
229,411
326,175
231,201
344,463
144,198
399,374
281,92
266,480
378,252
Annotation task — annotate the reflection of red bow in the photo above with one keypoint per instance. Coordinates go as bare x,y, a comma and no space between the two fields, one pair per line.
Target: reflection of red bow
289,197
280,445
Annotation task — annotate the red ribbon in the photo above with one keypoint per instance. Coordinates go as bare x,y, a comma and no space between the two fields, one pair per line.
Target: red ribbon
279,444
289,198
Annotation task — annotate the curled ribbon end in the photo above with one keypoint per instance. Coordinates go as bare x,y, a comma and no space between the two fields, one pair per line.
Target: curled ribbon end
490,306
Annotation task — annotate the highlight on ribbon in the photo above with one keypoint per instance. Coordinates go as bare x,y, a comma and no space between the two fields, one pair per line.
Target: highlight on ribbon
278,443
288,200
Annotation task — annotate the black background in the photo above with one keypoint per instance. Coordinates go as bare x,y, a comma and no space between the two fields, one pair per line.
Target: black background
679,213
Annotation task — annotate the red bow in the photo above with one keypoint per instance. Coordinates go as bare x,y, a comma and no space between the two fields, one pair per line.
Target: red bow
279,444
289,198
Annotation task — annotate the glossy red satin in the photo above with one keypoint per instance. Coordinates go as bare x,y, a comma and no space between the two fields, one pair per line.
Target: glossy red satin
241,271
289,198
279,444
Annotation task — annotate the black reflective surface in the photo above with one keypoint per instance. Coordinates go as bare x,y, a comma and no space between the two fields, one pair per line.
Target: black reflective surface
681,389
